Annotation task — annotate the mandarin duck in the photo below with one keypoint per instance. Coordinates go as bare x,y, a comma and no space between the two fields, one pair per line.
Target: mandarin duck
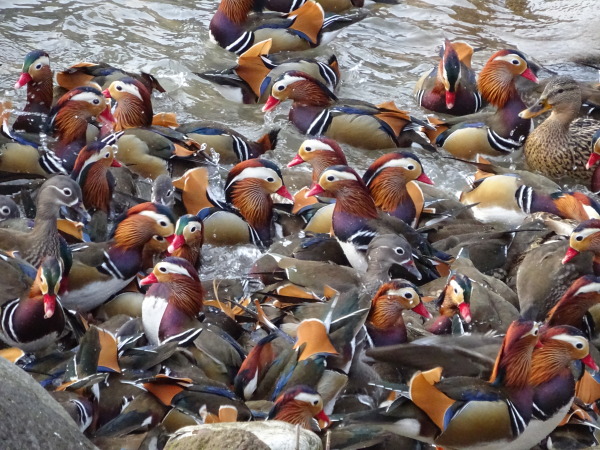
143,147
100,271
385,325
92,174
37,75
251,80
301,29
44,240
8,209
172,304
356,221
454,300
231,146
562,144
317,111
163,191
300,405
566,205
491,133
247,215
389,179
451,87
286,6
33,319
464,412
585,237
188,239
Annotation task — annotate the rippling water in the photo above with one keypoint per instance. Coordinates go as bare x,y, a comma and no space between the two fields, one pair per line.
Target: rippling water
381,57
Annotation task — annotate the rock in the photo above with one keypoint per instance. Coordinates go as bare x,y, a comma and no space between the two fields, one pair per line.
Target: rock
272,434
31,418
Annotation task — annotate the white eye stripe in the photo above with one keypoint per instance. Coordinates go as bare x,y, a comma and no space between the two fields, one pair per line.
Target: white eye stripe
87,97
592,287
402,162
44,60
157,217
573,340
508,57
308,398
586,232
288,79
340,175
456,286
174,268
316,145
129,88
254,172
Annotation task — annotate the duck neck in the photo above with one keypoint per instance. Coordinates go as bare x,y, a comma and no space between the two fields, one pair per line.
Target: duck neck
388,190
547,363
40,95
311,93
570,311
497,86
562,117
513,365
386,313
133,112
253,204
186,295
236,10
69,125
96,187
355,200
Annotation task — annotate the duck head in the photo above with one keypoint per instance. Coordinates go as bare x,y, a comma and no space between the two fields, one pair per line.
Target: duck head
163,191
134,105
562,95
391,299
69,118
47,283
496,80
60,191
456,297
387,250
389,168
449,72
96,152
36,69
320,153
298,405
188,230
141,223
513,363
586,236
8,208
301,88
560,345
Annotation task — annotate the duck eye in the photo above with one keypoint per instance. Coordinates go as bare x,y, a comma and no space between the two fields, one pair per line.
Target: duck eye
308,149
107,155
535,332
280,87
118,87
579,346
67,191
399,250
579,238
162,269
315,402
411,167
270,179
5,210
96,101
193,230
162,223
159,238
408,295
169,193
456,291
515,62
330,178
560,91
38,66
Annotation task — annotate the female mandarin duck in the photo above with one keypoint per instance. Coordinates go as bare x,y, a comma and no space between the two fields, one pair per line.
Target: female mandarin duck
300,405
451,87
44,240
188,239
144,147
454,300
389,179
31,321
561,146
103,270
172,304
493,133
469,413
356,220
37,75
385,324
247,216
251,80
566,205
585,237
92,174
302,29
317,111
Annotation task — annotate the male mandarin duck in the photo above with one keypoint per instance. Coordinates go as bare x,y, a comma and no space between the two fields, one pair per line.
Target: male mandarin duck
286,6
143,147
594,157
585,237
356,220
247,216
251,80
320,153
37,75
92,174
300,405
231,146
100,271
317,111
560,146
389,179
566,205
188,239
172,304
451,87
33,319
491,133
385,324
302,29
454,300
464,412
44,240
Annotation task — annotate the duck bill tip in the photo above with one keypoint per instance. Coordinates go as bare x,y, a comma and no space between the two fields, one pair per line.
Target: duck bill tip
594,158
115,163
422,311
425,179
49,305
176,243
464,310
528,74
450,99
23,80
324,420
106,93
589,361
571,253
315,190
150,279
271,103
294,162
284,193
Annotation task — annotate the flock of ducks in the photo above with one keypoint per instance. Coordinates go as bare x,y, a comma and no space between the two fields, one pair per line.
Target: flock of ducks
383,313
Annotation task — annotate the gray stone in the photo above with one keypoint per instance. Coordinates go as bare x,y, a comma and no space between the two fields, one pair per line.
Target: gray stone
31,418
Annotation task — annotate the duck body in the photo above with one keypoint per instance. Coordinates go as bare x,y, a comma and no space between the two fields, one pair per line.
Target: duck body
316,111
286,6
491,133
451,87
562,144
